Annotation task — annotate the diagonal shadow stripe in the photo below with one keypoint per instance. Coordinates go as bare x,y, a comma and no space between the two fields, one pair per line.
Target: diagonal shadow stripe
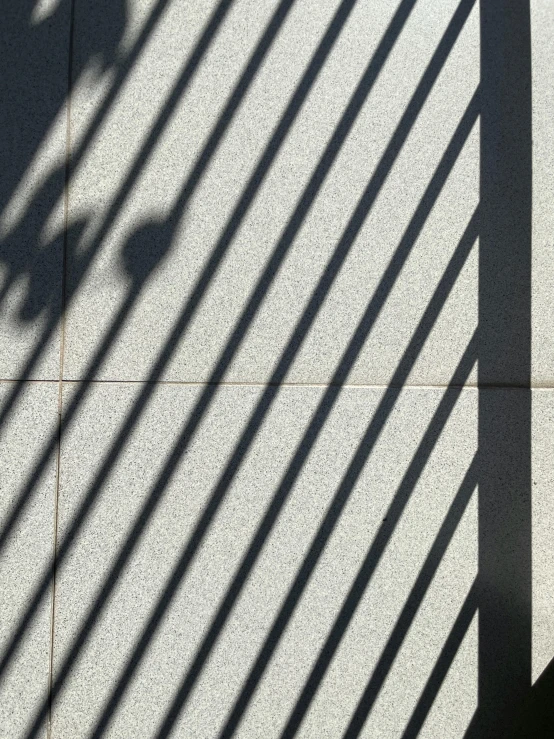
413,602
440,670
286,121
407,4
270,393
432,311
208,34
316,425
241,88
380,542
191,183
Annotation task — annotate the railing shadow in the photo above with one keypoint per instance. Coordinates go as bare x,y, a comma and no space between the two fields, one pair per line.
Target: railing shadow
504,581
502,592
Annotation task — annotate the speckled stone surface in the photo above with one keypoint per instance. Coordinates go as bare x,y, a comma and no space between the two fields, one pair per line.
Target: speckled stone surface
271,511
34,48
378,93
26,554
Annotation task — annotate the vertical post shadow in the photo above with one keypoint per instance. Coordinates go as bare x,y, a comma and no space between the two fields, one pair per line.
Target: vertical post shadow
534,716
504,351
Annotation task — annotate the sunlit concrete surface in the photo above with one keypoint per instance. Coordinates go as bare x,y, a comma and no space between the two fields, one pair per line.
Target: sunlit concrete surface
276,369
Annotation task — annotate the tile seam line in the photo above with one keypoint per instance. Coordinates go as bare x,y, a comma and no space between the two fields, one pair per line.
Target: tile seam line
361,385
63,289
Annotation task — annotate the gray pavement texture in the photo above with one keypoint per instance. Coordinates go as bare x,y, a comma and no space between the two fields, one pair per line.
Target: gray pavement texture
276,369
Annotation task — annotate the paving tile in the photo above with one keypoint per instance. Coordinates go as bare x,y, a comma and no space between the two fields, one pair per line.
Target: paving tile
26,553
34,46
157,211
94,671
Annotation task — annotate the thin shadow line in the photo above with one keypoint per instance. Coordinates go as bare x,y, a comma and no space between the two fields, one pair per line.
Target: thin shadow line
294,224
302,91
442,665
118,322
413,602
208,34
203,282
409,480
